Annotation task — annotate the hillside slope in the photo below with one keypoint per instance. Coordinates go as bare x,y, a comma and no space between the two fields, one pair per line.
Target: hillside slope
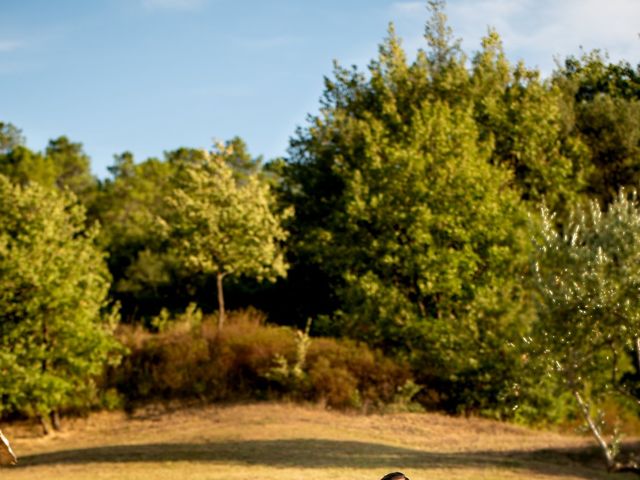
280,441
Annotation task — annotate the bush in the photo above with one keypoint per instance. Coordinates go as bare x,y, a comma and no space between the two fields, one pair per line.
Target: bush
346,373
189,358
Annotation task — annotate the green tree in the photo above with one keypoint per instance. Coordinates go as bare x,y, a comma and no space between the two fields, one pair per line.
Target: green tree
10,137
24,166
587,278
522,119
603,112
419,235
54,336
72,166
127,206
222,225
63,164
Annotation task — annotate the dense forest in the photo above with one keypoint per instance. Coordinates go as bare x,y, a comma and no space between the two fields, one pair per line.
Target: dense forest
449,232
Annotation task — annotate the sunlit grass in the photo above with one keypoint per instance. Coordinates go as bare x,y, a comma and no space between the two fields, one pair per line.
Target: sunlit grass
285,442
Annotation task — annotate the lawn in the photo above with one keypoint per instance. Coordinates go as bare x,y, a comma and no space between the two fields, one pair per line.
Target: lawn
288,442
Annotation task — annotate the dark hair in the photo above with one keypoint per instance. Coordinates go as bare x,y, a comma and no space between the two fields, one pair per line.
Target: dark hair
394,476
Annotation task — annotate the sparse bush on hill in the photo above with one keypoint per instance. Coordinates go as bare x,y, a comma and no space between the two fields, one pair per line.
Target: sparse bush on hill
191,358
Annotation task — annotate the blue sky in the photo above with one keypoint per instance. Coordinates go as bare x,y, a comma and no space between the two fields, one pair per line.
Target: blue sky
153,75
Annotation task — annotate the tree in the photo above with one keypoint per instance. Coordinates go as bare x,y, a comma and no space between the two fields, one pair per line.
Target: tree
223,225
588,332
10,137
55,333
147,276
522,120
418,234
63,165
603,112
72,167
127,206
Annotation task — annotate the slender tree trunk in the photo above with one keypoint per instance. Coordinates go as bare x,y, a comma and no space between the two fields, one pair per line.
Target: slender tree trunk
43,423
221,312
55,420
614,464
595,430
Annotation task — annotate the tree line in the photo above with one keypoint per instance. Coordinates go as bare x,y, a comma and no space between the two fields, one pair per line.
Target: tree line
459,212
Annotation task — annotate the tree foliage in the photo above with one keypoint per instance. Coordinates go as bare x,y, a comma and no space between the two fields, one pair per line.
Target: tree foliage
603,109
127,205
588,333
55,335
418,232
63,165
223,222
522,118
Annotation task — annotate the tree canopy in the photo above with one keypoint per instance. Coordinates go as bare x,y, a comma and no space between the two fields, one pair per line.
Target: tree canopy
55,333
588,332
222,223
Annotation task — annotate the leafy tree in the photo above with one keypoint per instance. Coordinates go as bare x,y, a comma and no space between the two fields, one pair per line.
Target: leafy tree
54,336
222,225
63,164
419,235
10,137
24,166
127,206
72,167
603,112
147,274
587,278
522,119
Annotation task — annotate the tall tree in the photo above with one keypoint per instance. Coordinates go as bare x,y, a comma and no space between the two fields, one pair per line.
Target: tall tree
603,111
521,119
63,164
223,225
419,235
72,166
54,336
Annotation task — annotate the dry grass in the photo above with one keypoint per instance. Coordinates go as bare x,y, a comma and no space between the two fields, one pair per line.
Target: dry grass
288,442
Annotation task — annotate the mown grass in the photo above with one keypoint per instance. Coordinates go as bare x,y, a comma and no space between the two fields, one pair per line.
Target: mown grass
288,442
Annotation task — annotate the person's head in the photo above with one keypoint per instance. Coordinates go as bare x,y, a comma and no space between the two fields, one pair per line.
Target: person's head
394,476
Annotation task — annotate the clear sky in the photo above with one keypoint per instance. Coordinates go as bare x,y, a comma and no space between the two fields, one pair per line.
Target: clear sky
154,75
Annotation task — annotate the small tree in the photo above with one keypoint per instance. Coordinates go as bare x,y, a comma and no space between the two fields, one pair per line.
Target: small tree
54,337
588,278
224,224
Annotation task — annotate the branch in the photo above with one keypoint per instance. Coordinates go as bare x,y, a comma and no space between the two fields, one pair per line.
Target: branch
621,389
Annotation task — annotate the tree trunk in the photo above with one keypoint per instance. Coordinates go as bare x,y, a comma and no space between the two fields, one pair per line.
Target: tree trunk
221,312
614,464
55,420
43,423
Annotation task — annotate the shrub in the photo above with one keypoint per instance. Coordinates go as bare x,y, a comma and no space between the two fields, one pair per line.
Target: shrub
190,358
344,369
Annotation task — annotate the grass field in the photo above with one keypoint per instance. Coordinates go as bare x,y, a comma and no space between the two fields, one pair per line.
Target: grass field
279,441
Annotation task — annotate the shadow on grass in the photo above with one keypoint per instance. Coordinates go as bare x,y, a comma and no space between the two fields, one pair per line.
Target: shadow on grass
312,453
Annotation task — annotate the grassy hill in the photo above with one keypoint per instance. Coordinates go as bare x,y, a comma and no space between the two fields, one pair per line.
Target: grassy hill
289,442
